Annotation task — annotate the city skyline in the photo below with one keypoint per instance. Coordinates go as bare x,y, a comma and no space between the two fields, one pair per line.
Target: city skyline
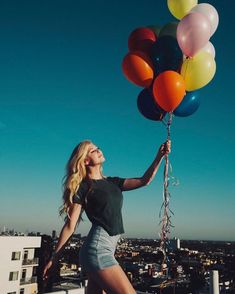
6,232
62,82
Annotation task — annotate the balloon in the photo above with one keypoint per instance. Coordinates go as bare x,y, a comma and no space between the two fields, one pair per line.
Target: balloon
179,8
147,106
188,105
169,90
193,32
211,14
209,48
198,71
169,29
138,69
141,39
156,29
166,54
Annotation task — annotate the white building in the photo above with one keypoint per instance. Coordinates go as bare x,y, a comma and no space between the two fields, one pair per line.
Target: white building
174,243
73,291
17,264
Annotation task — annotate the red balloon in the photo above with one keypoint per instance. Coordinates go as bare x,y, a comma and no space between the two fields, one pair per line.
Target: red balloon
169,90
141,39
138,69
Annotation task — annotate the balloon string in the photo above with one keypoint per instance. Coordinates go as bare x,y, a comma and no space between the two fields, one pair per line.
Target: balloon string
169,126
186,68
166,218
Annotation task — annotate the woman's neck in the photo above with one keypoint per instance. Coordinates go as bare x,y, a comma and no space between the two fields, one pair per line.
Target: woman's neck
94,173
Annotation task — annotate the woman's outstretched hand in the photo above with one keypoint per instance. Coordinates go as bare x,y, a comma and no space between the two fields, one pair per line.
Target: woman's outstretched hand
47,269
164,149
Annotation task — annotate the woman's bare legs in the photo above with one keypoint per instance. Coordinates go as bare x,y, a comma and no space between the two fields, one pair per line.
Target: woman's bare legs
93,287
112,279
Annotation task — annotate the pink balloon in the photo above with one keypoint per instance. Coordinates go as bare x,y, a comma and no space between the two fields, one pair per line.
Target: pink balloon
193,32
210,12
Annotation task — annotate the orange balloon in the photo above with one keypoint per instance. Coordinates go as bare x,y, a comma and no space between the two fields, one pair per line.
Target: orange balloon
138,69
169,90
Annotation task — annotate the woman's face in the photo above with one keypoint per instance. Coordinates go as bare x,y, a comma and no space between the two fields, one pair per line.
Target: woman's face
94,156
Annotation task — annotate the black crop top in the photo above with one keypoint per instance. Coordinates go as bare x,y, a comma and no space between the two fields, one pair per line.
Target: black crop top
103,203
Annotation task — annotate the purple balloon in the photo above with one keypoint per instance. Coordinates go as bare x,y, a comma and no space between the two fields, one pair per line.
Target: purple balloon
193,33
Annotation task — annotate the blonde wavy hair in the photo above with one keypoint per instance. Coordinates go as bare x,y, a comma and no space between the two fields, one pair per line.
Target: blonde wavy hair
75,173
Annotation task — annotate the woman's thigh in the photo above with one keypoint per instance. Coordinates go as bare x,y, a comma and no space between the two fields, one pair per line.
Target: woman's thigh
93,287
113,280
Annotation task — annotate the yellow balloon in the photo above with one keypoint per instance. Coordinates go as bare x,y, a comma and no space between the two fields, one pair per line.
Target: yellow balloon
179,8
198,71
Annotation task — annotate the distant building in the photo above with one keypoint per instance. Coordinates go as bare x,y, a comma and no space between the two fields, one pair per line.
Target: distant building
150,270
174,244
17,264
54,234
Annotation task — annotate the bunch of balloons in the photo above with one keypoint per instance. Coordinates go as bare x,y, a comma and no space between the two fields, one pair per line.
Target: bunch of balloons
174,61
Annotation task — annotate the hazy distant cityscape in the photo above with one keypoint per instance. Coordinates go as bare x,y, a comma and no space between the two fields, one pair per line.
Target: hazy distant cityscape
191,264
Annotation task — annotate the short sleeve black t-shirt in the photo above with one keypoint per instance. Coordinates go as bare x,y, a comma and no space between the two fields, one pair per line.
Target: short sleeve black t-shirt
102,201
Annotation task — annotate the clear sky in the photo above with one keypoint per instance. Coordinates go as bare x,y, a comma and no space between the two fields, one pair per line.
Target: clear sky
61,82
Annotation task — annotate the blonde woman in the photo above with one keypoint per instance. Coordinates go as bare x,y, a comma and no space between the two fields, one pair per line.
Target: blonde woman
86,188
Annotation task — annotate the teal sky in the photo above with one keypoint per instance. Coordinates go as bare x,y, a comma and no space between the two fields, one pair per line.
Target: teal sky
61,82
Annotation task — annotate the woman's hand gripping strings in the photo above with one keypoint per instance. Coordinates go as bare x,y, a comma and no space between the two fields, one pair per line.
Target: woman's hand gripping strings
146,179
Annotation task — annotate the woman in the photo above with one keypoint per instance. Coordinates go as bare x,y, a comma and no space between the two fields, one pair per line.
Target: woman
85,188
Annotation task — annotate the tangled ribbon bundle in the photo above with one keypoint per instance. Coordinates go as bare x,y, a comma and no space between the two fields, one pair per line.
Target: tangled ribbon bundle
166,212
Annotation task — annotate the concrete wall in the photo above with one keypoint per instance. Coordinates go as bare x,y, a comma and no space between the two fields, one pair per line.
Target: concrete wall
73,291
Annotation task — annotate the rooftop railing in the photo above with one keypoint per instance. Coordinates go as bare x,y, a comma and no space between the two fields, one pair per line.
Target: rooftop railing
30,261
31,280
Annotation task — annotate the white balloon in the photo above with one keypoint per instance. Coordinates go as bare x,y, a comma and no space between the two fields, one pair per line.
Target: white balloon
209,48
210,12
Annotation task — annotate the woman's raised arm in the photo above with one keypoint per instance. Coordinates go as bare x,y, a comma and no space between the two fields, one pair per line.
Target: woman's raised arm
134,183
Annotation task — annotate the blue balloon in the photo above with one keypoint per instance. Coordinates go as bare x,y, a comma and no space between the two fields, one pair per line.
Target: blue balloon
166,54
189,104
148,107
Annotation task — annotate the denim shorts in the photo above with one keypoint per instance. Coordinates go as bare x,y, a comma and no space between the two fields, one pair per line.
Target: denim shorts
97,252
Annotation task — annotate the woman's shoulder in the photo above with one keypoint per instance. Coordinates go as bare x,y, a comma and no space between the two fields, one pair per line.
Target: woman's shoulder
113,178
79,196
116,180
83,187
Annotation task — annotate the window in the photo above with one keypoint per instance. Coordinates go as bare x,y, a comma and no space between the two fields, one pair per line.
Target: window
16,255
23,275
13,276
26,254
34,271
22,291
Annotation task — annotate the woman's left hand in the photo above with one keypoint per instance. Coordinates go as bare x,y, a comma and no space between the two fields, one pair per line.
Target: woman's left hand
47,270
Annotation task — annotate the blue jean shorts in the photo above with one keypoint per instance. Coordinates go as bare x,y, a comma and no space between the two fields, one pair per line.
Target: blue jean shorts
97,252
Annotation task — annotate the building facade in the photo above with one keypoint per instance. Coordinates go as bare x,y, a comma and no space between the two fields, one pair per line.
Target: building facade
18,264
